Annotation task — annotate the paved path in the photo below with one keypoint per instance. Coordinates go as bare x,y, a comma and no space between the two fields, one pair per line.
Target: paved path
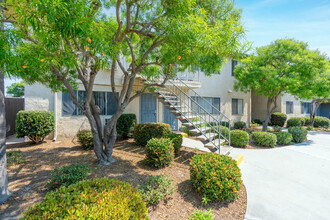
291,182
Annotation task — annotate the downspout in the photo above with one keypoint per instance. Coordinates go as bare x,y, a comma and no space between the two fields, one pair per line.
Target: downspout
55,112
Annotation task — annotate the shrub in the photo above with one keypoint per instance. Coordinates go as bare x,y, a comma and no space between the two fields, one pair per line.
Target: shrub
283,138
224,131
265,139
157,188
321,122
36,125
295,121
177,140
307,121
239,138
91,199
125,123
310,128
185,129
239,125
299,134
216,176
67,175
14,157
224,123
85,138
278,119
201,215
277,128
254,125
160,152
257,121
143,132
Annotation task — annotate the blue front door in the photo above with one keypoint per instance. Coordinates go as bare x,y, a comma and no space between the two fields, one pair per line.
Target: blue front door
324,110
170,119
148,108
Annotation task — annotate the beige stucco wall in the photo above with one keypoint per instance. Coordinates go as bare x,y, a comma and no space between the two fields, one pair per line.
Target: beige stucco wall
222,86
296,105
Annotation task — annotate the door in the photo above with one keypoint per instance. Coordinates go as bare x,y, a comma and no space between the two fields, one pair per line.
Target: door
170,119
148,108
324,110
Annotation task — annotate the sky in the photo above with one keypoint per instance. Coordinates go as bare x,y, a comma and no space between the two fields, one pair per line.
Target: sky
268,20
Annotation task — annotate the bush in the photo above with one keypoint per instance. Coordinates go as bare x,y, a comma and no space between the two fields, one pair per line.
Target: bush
224,131
239,125
36,125
67,175
201,215
295,121
85,138
277,128
321,122
185,129
239,138
257,121
307,121
283,138
310,128
265,139
156,189
254,125
91,199
143,132
14,157
160,152
278,119
224,123
299,134
216,176
124,124
177,140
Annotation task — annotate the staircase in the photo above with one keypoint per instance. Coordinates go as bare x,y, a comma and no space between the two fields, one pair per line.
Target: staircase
203,124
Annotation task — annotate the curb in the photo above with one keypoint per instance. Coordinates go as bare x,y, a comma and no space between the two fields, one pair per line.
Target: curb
239,159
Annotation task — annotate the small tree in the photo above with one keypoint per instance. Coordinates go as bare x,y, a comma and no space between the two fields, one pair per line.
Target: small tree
16,89
284,66
60,43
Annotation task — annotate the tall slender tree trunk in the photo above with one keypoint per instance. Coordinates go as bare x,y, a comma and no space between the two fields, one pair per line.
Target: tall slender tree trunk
4,192
313,110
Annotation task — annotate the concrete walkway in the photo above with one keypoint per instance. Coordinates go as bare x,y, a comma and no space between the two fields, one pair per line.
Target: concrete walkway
291,182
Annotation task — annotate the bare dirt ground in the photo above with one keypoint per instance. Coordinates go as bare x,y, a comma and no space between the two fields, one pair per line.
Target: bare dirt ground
27,181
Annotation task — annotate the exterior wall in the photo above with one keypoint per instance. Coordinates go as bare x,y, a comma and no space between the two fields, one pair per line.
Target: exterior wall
259,106
222,86
296,106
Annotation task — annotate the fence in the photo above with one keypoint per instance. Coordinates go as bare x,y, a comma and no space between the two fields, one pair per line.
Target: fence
13,106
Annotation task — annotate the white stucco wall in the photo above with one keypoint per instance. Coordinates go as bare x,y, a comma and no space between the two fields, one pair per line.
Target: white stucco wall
222,86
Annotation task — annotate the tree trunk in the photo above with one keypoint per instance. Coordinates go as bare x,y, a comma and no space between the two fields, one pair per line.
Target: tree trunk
4,192
313,110
270,111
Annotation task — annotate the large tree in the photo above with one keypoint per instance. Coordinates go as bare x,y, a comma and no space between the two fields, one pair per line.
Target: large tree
64,42
16,89
284,66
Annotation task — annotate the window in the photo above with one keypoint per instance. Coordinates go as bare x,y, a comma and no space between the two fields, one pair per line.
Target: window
104,100
233,64
237,106
204,105
289,107
305,108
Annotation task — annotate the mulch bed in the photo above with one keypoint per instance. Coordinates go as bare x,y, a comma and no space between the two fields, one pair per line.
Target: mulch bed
27,181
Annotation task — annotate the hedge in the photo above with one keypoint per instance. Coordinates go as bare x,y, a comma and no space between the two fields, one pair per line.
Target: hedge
239,125
296,121
283,138
265,139
36,125
321,122
143,132
125,123
239,138
278,119
299,134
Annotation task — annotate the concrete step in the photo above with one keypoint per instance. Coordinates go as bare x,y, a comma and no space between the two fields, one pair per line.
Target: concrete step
167,96
187,117
178,112
216,141
170,101
208,136
195,131
188,124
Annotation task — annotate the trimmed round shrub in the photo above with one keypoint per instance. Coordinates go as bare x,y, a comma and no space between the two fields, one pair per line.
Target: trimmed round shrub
67,175
85,138
277,128
299,134
143,132
307,121
239,125
224,123
283,138
257,121
321,122
160,152
91,199
36,125
265,139
124,124
239,138
177,140
278,119
216,176
295,121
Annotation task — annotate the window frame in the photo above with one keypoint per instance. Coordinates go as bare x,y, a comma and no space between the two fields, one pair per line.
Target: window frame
291,107
212,101
306,108
235,111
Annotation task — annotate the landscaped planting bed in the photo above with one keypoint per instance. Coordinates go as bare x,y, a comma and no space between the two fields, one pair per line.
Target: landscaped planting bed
28,180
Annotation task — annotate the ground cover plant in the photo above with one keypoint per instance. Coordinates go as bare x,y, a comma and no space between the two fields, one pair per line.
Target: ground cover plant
14,157
201,215
156,189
